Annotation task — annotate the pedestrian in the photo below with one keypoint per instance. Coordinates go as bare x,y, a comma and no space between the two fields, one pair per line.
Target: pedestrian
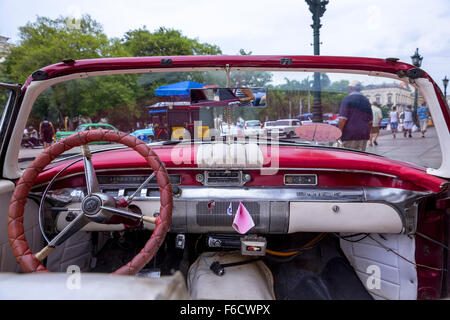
377,117
47,132
408,122
393,120
32,136
423,114
355,118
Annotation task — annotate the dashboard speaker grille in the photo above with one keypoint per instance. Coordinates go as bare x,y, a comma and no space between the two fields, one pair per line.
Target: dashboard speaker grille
218,216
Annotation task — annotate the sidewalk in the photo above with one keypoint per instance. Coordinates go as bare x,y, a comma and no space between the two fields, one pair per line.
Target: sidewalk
422,151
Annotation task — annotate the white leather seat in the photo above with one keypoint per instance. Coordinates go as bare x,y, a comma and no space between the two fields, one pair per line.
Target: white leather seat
90,286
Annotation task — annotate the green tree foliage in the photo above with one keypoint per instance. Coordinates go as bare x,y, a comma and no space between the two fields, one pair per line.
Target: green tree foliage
284,99
4,94
165,42
119,98
45,42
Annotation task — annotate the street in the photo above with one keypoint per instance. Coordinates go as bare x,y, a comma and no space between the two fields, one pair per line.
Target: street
421,151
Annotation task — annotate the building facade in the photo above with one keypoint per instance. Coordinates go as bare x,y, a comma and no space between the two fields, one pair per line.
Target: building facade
391,94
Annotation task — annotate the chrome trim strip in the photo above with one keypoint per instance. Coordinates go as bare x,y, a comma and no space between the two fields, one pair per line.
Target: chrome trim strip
271,194
208,183
404,202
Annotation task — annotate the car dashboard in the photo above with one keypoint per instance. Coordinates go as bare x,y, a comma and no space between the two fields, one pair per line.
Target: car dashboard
287,202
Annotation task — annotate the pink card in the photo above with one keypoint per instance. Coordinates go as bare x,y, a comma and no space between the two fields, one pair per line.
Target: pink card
243,220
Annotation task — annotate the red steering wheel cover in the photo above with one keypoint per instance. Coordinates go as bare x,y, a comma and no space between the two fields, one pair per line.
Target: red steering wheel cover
16,235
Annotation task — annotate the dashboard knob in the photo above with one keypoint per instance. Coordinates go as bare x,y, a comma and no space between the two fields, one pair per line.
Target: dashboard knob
176,191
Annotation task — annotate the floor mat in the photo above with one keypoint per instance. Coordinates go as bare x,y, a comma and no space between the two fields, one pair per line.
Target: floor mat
317,275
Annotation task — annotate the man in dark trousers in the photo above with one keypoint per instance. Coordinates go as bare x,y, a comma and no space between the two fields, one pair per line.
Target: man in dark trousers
47,132
355,118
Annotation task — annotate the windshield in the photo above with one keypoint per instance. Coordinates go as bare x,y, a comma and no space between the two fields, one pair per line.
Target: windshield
279,123
361,106
253,124
81,128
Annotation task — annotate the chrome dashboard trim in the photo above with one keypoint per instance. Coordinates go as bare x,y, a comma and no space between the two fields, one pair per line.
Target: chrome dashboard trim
404,202
393,196
239,179
261,169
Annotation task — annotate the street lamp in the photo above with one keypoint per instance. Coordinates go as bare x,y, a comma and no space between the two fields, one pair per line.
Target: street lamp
445,81
417,59
417,62
317,8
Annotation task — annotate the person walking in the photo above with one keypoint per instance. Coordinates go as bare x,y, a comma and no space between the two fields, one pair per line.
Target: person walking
393,120
47,132
377,117
408,122
355,118
423,113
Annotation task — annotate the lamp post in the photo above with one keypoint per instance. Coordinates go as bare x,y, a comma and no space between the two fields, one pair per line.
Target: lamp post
317,8
445,81
417,62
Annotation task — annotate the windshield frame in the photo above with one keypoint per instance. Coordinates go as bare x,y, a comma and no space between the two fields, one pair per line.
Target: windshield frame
363,66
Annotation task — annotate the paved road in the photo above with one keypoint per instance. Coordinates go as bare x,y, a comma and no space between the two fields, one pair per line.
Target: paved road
422,151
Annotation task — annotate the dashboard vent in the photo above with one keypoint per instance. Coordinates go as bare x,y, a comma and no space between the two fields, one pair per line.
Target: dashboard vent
223,178
219,217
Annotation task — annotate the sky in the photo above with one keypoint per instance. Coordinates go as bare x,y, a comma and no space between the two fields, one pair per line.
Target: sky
369,28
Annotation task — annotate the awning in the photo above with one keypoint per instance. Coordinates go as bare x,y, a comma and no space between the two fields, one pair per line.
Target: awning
178,89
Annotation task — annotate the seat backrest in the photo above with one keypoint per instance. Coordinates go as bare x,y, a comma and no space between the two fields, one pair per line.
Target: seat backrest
90,286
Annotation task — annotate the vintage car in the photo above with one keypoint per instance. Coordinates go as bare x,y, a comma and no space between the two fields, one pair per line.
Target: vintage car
284,127
85,126
146,135
220,217
252,128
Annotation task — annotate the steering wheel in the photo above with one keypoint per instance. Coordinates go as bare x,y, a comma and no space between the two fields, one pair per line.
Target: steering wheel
96,206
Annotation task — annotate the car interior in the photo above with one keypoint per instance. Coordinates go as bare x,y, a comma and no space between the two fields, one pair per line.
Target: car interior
205,214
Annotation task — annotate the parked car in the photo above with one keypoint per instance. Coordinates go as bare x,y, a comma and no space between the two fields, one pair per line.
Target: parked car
302,220
146,135
85,126
328,118
252,128
384,122
285,127
230,129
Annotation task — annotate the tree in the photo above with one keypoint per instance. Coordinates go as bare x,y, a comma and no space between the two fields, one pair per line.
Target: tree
339,86
119,98
165,42
47,41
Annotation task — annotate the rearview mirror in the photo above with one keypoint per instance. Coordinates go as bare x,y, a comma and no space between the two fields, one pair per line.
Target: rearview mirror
223,97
